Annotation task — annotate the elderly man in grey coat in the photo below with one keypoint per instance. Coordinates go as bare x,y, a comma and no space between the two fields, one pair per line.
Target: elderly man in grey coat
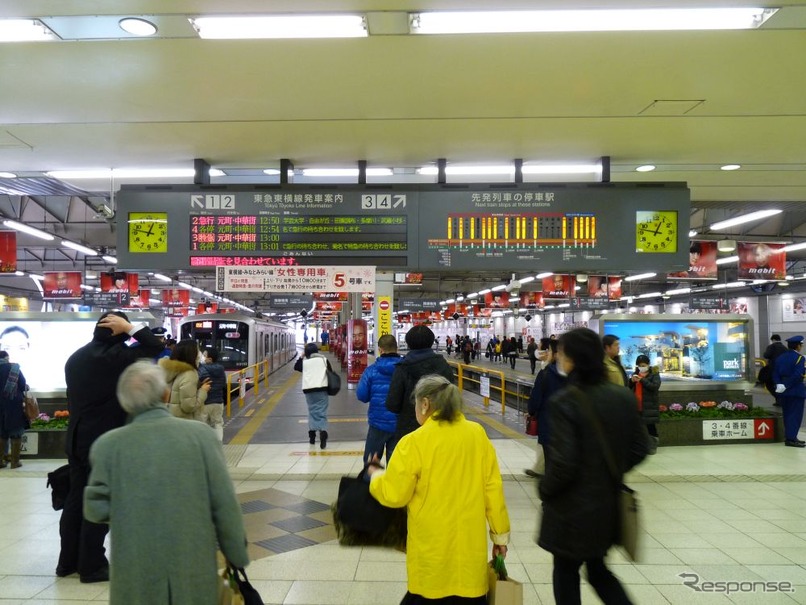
162,485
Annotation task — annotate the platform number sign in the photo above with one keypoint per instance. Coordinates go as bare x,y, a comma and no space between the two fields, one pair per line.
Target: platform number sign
383,201
214,201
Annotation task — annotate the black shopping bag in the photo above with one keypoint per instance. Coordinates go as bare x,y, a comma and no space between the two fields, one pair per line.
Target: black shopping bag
59,483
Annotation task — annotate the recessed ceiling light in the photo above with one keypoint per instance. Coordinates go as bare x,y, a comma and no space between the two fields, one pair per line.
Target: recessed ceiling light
281,26
271,172
728,167
24,30
7,175
137,27
645,168
692,233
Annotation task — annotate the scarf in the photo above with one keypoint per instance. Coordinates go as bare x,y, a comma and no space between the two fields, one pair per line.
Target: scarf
10,388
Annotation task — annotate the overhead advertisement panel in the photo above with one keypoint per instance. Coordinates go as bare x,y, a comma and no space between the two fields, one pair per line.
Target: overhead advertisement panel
605,228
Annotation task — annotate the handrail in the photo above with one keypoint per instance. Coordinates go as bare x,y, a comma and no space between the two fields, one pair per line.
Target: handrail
241,374
501,376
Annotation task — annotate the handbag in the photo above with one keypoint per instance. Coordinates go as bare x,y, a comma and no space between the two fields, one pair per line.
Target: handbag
360,520
627,502
31,406
59,483
236,590
501,589
531,425
333,383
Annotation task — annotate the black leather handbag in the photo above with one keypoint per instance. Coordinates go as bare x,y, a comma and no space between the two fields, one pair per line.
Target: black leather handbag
333,383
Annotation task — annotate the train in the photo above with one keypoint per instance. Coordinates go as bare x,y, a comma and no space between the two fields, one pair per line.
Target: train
242,340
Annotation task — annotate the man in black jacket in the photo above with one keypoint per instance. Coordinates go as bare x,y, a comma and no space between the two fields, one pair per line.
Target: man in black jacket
773,350
91,374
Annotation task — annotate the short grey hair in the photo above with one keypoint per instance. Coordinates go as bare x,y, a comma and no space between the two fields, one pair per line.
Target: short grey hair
442,394
141,387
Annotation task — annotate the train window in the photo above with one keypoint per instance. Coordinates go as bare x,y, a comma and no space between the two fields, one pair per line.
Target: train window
232,339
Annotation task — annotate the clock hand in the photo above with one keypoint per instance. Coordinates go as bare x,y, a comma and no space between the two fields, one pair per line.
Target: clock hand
660,224
150,229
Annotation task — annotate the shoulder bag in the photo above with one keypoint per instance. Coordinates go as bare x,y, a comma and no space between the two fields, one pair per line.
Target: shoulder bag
333,383
31,406
628,530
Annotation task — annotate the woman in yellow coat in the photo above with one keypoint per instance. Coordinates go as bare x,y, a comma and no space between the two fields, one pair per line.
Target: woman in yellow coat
446,473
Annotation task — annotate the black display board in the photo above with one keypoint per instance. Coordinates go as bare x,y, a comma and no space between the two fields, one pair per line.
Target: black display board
561,227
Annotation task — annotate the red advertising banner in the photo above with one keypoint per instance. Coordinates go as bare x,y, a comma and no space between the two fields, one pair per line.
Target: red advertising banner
531,300
8,251
761,261
331,296
701,262
601,286
332,307
140,299
175,298
614,287
496,300
120,282
558,286
208,307
356,349
481,311
62,284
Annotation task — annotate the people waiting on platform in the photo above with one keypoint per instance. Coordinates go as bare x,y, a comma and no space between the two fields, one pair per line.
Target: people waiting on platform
212,412
314,368
615,371
531,353
188,394
373,389
645,383
512,352
13,421
446,474
548,382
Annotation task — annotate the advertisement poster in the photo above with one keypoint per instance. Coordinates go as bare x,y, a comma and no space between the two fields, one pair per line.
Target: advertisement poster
62,284
331,296
140,299
175,298
614,287
601,286
356,350
206,307
496,300
761,261
558,286
120,282
8,251
531,300
701,262
793,309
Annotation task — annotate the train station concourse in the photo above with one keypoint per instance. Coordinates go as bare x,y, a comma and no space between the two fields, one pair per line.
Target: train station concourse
731,515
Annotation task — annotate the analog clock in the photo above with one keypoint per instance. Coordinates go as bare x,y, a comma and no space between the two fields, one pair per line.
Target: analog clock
656,231
148,232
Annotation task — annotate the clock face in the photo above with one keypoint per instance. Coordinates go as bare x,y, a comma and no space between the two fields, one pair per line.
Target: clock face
148,232
655,231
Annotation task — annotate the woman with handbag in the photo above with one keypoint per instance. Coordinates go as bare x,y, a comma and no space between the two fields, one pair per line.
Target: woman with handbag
314,368
446,473
182,375
592,421
13,421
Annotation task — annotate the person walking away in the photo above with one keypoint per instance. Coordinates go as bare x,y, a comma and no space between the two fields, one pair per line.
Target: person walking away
182,375
162,486
372,389
548,382
615,371
645,383
418,362
498,350
446,475
771,353
314,367
512,352
467,350
448,344
788,373
531,354
13,420
91,375
579,494
212,412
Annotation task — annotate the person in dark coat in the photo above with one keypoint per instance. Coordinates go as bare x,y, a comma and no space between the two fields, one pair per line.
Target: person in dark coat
579,494
418,362
788,373
373,389
771,353
548,381
645,383
212,412
13,421
91,375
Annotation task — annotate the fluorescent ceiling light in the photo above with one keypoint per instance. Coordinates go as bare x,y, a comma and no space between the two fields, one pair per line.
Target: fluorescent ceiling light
130,173
499,288
794,247
24,30
459,22
216,172
645,168
344,172
285,26
110,259
137,27
199,290
473,295
182,284
449,301
544,275
730,167
460,298
563,305
508,169
79,248
7,175
272,172
162,277
86,287
640,276
649,295
526,280
692,233
29,230
735,284
562,169
36,276
747,218
459,170
678,291
727,259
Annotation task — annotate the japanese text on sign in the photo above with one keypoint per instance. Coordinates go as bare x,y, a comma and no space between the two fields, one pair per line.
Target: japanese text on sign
714,430
295,279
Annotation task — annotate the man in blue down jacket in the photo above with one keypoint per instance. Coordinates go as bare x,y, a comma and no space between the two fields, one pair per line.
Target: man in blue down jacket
373,388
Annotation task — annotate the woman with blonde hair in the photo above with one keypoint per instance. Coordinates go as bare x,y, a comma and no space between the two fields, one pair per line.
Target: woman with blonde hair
446,473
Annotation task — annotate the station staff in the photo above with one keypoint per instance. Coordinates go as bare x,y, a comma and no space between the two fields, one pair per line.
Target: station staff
787,374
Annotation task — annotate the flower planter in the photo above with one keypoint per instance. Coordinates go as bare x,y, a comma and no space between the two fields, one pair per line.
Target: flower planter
720,431
44,443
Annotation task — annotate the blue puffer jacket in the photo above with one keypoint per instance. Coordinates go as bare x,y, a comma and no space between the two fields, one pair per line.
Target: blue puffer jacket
218,377
372,389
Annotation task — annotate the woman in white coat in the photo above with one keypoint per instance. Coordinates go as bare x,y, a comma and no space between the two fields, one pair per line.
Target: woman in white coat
314,369
182,376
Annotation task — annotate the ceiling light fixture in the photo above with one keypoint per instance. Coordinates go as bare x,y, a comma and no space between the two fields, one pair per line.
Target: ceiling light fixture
645,168
640,276
36,276
137,26
162,277
284,26
475,22
692,233
29,230
110,259
526,280
794,247
727,260
678,291
485,291
79,248
747,218
730,167
726,246
25,30
343,172
499,288
7,175
544,275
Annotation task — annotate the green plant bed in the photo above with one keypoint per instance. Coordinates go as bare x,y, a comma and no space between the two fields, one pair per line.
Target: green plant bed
45,443
721,431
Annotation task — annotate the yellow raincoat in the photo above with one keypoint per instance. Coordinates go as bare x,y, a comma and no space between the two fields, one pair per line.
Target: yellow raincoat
447,473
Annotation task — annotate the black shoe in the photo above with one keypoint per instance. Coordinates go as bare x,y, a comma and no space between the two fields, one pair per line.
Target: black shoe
533,474
794,443
801,441
311,437
63,572
102,575
323,439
